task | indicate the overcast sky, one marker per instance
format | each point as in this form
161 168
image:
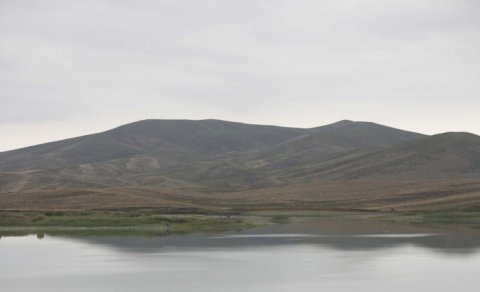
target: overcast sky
69 68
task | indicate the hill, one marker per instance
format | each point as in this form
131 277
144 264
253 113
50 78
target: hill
219 164
171 140
323 144
443 156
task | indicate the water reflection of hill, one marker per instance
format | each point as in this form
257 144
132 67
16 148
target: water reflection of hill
348 235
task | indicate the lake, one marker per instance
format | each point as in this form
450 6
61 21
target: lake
315 255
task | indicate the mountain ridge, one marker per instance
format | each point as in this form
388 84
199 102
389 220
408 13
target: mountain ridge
214 156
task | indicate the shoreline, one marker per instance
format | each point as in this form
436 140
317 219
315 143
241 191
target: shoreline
151 223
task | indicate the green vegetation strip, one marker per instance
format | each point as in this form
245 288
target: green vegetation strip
114 223
151 223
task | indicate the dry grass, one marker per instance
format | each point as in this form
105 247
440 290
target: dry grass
426 196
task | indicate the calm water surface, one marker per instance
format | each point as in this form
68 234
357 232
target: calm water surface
321 255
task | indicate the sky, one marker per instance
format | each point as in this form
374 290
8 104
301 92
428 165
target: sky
69 68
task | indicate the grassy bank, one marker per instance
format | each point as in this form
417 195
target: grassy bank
151 223
446 218
115 223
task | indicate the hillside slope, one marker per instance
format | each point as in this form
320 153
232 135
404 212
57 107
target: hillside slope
342 164
443 156
170 140
343 138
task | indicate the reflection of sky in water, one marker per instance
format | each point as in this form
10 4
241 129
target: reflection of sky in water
265 259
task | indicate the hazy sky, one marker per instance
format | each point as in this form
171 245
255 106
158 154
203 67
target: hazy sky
75 67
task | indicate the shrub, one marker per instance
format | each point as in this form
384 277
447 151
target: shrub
280 219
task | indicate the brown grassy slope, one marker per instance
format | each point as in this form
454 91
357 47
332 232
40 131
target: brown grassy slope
209 154
329 142
215 165
443 156
458 195
169 140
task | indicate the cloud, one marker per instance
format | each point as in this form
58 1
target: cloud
298 63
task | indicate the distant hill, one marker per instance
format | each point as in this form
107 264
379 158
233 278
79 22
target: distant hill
340 139
443 156
171 140
147 159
